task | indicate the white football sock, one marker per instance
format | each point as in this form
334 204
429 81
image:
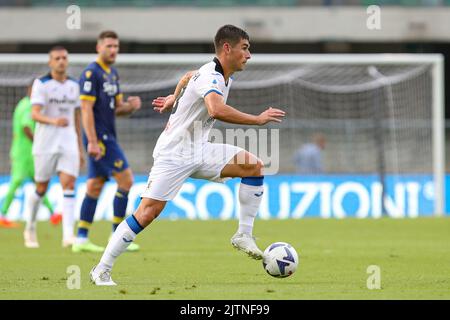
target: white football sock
249 200
33 206
117 245
68 208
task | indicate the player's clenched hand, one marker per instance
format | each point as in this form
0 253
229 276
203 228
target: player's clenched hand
94 150
163 104
61 122
271 114
135 102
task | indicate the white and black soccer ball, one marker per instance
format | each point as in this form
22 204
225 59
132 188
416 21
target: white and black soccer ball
280 260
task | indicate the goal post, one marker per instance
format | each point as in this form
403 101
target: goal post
439 134
337 93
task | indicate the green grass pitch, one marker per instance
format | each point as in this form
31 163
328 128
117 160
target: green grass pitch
194 260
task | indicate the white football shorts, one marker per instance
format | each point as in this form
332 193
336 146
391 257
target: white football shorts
46 165
169 173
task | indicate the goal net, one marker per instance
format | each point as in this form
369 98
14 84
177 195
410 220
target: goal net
380 114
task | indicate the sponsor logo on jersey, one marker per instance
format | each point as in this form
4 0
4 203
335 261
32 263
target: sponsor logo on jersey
63 110
110 88
215 85
64 100
88 74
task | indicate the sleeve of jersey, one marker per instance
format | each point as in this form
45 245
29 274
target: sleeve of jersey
37 93
78 105
207 84
88 86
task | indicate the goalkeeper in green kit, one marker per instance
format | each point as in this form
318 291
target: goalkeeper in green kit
22 163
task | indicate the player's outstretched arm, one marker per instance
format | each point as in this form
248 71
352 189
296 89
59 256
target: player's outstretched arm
221 111
37 116
165 104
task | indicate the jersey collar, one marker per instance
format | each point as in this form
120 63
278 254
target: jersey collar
219 69
103 66
50 76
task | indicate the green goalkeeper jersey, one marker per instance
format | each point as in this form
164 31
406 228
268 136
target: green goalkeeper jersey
21 144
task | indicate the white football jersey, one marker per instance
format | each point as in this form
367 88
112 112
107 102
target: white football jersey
189 124
58 100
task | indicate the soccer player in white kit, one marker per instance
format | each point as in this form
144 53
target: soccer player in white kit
183 151
57 142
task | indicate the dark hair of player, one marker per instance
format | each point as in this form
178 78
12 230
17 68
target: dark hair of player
229 33
56 48
107 34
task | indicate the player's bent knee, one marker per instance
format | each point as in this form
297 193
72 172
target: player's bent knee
94 188
69 185
259 168
41 188
253 170
126 181
126 184
93 192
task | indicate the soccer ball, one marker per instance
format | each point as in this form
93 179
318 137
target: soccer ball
280 260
